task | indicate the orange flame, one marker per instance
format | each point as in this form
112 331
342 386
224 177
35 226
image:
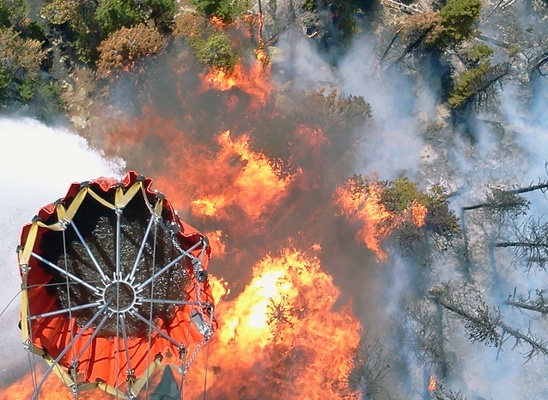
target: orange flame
216 242
217 21
53 389
432 383
253 80
254 182
365 205
286 314
227 183
262 56
219 288
418 212
220 79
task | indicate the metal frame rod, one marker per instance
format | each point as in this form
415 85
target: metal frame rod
88 250
64 310
65 273
93 335
160 272
184 253
118 234
131 276
146 321
66 349
177 302
124 335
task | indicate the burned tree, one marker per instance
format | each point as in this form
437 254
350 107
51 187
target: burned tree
425 322
530 244
502 201
538 304
369 371
483 323
479 322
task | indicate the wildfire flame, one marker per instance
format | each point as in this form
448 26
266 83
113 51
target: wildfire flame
285 316
365 205
418 213
253 181
217 22
253 80
432 383
282 336
54 389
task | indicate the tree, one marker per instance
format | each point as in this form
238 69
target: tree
128 45
448 27
530 244
189 24
538 304
226 10
20 61
484 324
330 108
478 53
115 14
504 201
76 24
369 371
439 220
476 86
466 303
457 19
13 12
215 51
427 334
162 12
86 23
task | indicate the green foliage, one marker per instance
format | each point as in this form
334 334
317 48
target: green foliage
111 15
226 10
18 53
216 51
5 79
115 14
419 28
478 53
12 12
127 45
87 23
467 85
452 25
77 20
401 194
342 13
162 12
26 90
440 219
457 18
60 12
21 81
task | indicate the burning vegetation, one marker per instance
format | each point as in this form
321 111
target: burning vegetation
282 335
397 210
333 280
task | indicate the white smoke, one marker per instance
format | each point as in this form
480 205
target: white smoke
38 164
392 140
